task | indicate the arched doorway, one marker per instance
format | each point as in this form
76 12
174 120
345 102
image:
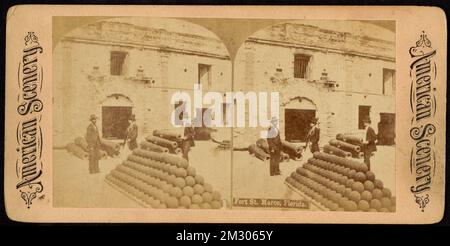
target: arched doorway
298 114
116 111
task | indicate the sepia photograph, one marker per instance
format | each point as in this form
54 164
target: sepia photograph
225 114
117 82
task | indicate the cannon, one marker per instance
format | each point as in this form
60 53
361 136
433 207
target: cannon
345 146
336 151
350 139
263 144
162 142
153 147
81 142
258 152
77 151
111 148
172 136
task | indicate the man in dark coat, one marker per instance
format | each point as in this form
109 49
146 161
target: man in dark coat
132 133
93 141
314 136
274 142
369 145
188 141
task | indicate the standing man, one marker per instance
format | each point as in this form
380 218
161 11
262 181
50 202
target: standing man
188 141
369 142
274 142
93 141
314 136
132 133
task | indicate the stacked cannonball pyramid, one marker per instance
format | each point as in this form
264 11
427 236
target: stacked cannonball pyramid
163 180
345 146
341 184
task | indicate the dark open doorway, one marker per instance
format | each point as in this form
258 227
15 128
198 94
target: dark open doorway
115 121
386 129
297 123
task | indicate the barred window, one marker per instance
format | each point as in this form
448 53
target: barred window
117 60
300 66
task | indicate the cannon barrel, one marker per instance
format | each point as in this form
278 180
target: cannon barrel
336 151
167 135
77 151
345 146
162 142
259 152
153 147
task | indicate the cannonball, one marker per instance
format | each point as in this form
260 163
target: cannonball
171 179
347 192
375 203
351 174
188 191
393 201
349 182
377 193
368 185
199 179
363 205
392 209
155 203
378 184
216 196
355 196
385 202
207 196
191 171
185 201
370 175
343 202
181 172
173 170
386 192
180 182
176 192
172 202
384 210
194 206
360 176
208 187
166 187
340 189
358 186
205 205
373 210
216 204
190 180
351 206
340 209
197 199
198 189
162 205
366 195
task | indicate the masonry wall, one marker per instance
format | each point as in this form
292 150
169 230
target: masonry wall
78 92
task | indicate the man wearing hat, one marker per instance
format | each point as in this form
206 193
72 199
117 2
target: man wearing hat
188 141
313 136
274 142
132 133
369 145
93 141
